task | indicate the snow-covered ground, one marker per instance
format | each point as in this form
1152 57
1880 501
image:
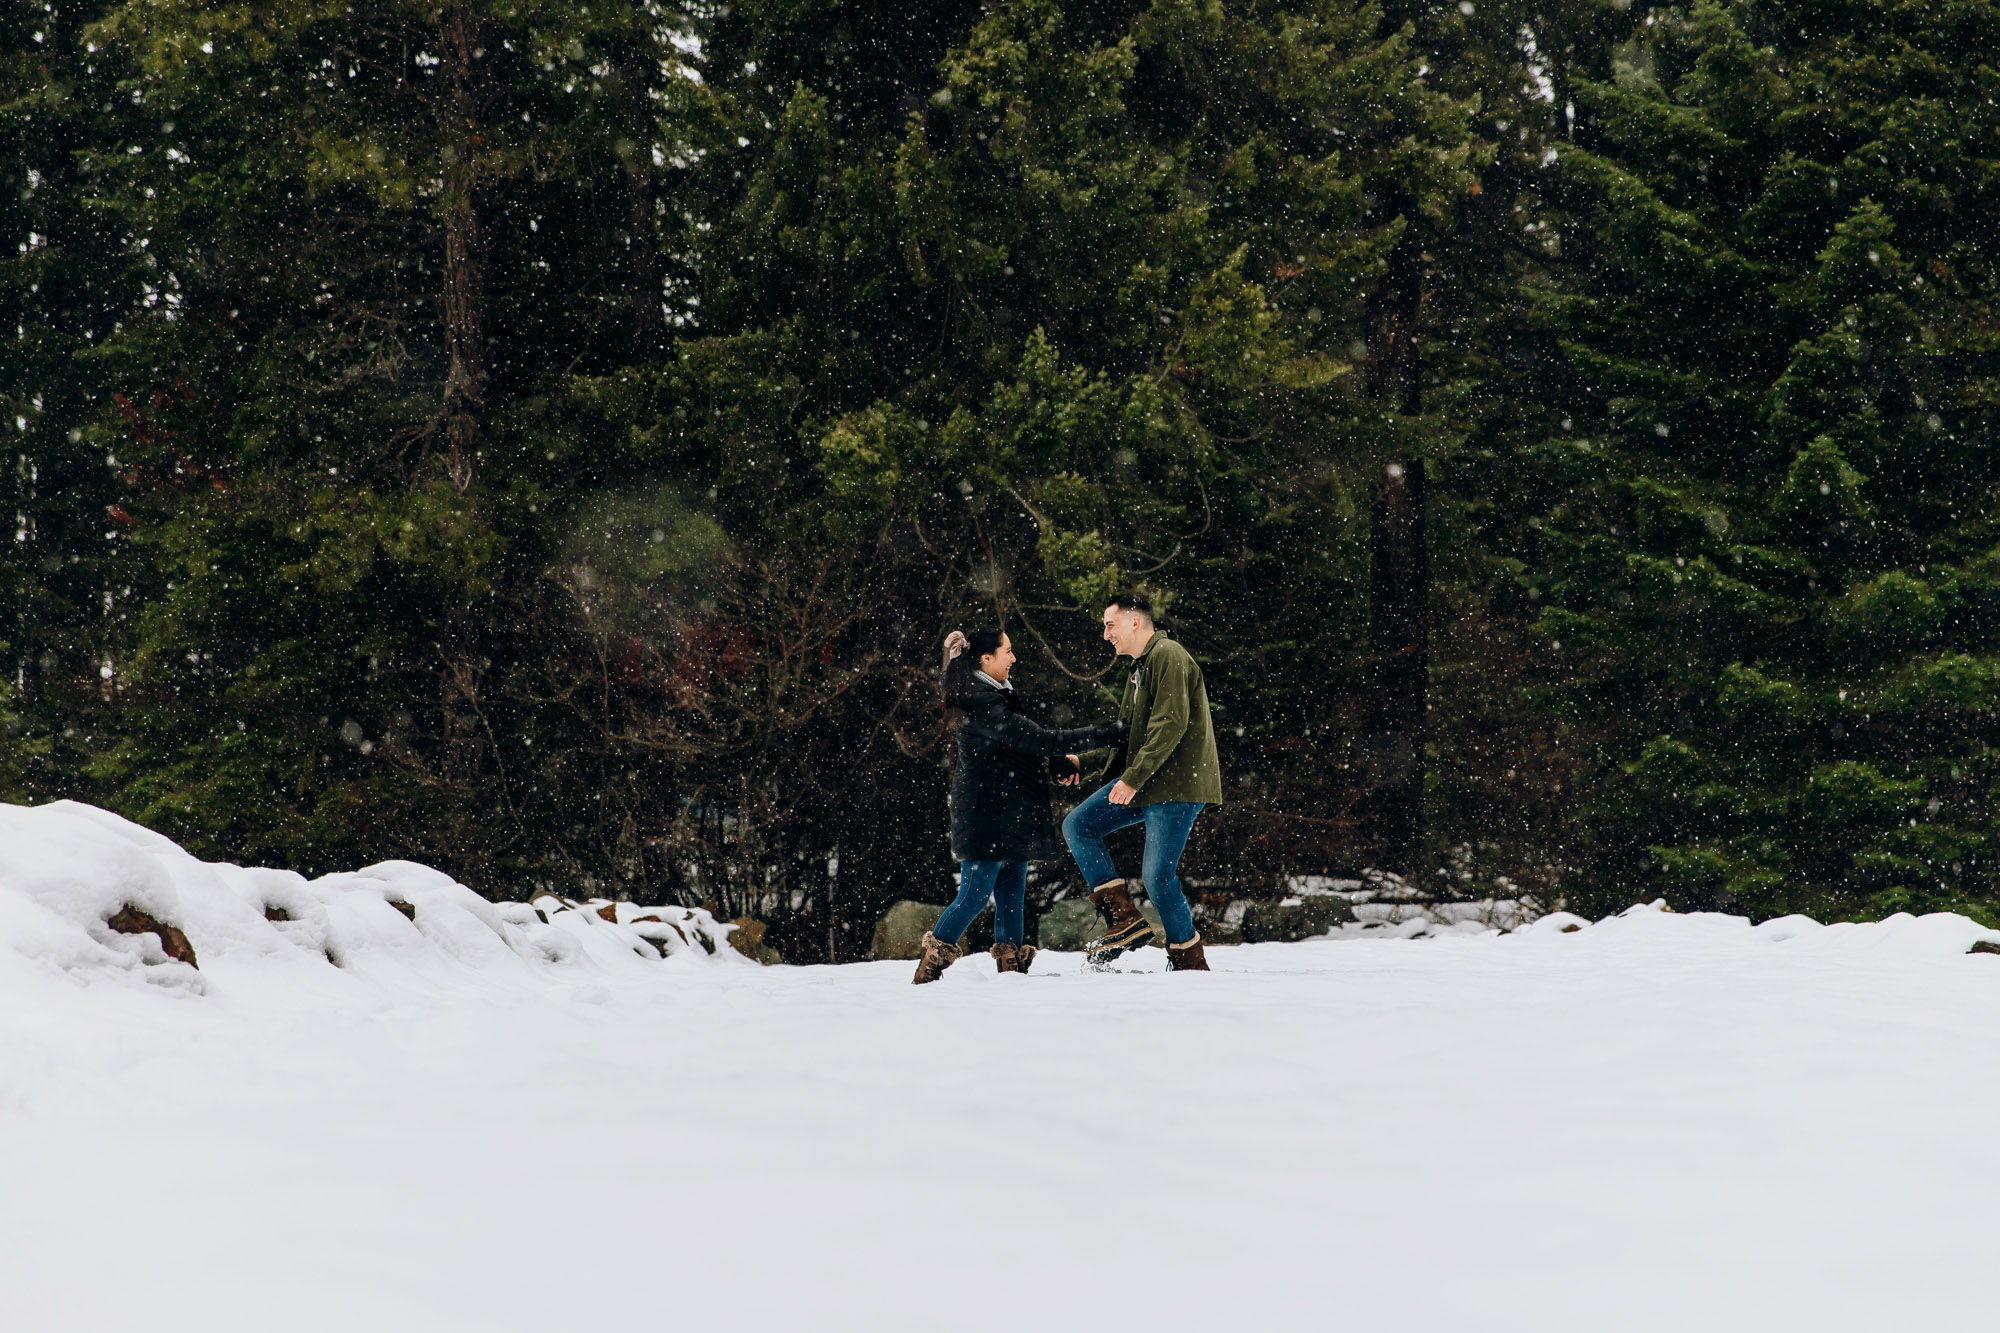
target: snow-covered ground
1655 1122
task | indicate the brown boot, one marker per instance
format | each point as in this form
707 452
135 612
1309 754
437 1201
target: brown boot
1013 957
1187 957
937 957
1124 927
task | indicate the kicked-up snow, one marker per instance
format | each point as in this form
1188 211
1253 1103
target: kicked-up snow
381 1103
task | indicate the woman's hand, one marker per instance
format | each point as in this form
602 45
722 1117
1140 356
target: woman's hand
956 642
1075 772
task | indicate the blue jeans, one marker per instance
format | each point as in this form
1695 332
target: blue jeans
1168 824
1005 882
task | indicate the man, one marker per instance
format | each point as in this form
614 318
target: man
1166 772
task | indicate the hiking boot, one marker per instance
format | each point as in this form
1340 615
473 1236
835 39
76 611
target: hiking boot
937 957
1187 957
1012 957
1124 927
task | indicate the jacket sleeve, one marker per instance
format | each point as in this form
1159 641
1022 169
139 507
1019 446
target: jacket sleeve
1166 721
1029 737
1107 743
1096 763
1003 727
1104 762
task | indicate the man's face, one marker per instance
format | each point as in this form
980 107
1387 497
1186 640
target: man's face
1125 631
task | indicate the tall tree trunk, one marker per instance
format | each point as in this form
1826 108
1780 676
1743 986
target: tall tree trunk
463 99
1399 584
648 327
465 67
638 64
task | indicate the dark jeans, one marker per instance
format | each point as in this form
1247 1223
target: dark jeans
1168 824
1005 882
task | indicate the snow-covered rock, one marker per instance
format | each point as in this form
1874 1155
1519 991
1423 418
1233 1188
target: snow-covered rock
68 871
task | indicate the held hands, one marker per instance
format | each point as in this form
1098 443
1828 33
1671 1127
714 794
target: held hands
1122 792
1075 774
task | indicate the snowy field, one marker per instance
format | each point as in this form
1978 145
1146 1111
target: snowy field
481 1121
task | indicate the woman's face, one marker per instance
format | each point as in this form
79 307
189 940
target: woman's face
1000 661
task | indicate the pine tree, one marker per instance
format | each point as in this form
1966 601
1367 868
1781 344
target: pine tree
71 275
1501 779
326 424
1773 575
1251 250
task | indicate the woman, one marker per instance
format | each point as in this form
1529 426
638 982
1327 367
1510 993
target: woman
1000 816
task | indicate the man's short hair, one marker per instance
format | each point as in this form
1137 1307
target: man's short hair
1135 602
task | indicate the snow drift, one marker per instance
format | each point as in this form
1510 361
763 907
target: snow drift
89 895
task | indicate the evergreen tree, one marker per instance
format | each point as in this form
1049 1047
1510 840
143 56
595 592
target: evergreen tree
323 409
1504 778
72 274
1770 569
1070 302
1180 224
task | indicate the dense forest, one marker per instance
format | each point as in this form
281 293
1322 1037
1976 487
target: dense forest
551 440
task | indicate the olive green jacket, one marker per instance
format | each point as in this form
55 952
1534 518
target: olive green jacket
1169 748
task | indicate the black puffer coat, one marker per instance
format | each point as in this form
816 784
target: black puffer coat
1000 784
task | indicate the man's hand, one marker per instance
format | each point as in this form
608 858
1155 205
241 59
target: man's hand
1122 792
1075 774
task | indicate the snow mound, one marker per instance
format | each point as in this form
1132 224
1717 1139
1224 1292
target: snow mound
1937 935
89 895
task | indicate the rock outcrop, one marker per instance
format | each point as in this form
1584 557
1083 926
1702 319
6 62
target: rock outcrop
129 920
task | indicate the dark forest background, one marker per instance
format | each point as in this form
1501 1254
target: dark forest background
550 441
